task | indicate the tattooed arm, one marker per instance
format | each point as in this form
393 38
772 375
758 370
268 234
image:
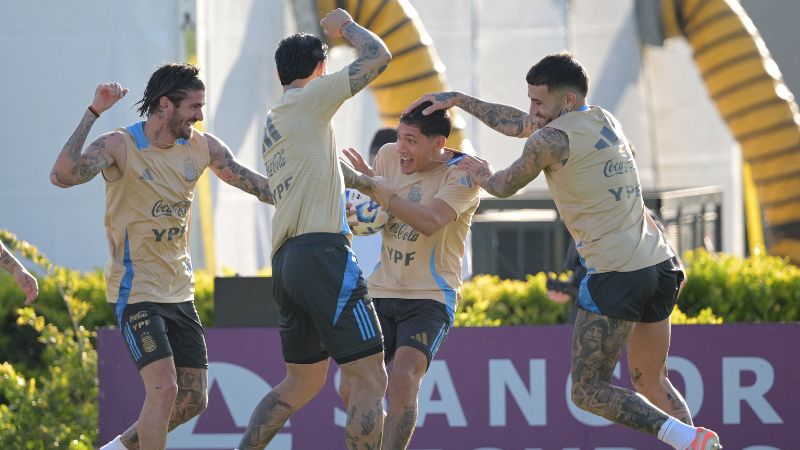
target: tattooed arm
73 166
24 279
545 148
229 170
502 118
373 55
376 187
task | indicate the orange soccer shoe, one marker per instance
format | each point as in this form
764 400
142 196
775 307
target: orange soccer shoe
705 439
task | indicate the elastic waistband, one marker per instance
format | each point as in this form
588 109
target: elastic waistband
316 239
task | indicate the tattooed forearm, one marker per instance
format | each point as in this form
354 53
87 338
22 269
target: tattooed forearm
74 167
543 148
247 180
373 56
268 418
502 118
229 170
355 180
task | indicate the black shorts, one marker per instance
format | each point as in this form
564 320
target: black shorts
644 295
323 302
419 323
157 330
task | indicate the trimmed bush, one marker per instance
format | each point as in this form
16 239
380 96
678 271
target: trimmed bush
54 405
755 289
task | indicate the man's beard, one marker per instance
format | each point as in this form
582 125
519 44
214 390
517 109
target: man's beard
176 127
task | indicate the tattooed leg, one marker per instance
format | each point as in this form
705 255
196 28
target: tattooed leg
366 380
302 383
648 345
191 400
596 345
408 369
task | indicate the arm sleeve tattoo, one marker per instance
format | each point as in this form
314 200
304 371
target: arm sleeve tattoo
355 180
545 147
502 118
229 170
373 56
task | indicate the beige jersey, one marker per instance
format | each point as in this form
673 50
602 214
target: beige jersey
415 266
301 161
147 219
599 197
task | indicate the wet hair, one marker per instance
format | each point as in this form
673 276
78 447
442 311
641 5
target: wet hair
174 81
382 137
298 55
559 71
436 124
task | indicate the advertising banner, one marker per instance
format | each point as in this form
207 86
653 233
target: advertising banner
504 388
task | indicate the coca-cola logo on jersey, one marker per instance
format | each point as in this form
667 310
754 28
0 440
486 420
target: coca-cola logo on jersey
162 208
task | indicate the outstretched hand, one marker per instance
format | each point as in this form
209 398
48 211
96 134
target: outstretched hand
440 100
357 162
106 95
478 169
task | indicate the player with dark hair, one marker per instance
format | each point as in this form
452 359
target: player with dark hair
416 286
322 298
150 170
633 275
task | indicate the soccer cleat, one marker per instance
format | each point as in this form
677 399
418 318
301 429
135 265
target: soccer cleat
705 439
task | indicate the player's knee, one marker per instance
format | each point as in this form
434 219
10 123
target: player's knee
164 392
405 381
366 377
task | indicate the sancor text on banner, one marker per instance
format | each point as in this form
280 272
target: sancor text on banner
504 388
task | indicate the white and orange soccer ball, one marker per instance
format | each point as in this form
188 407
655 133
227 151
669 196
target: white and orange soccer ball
368 215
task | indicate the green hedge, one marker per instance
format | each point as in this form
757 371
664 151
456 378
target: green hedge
755 289
718 287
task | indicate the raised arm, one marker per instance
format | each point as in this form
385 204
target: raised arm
229 170
545 148
372 54
24 279
75 165
502 118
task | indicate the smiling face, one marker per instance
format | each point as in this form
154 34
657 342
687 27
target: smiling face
181 117
547 105
418 153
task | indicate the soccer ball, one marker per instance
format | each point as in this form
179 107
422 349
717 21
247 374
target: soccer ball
369 215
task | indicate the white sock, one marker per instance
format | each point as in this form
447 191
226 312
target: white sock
116 444
676 433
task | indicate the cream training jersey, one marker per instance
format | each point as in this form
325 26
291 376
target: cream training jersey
147 218
301 161
415 266
599 196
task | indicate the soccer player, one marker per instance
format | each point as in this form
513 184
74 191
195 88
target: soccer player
633 275
150 170
321 295
416 286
